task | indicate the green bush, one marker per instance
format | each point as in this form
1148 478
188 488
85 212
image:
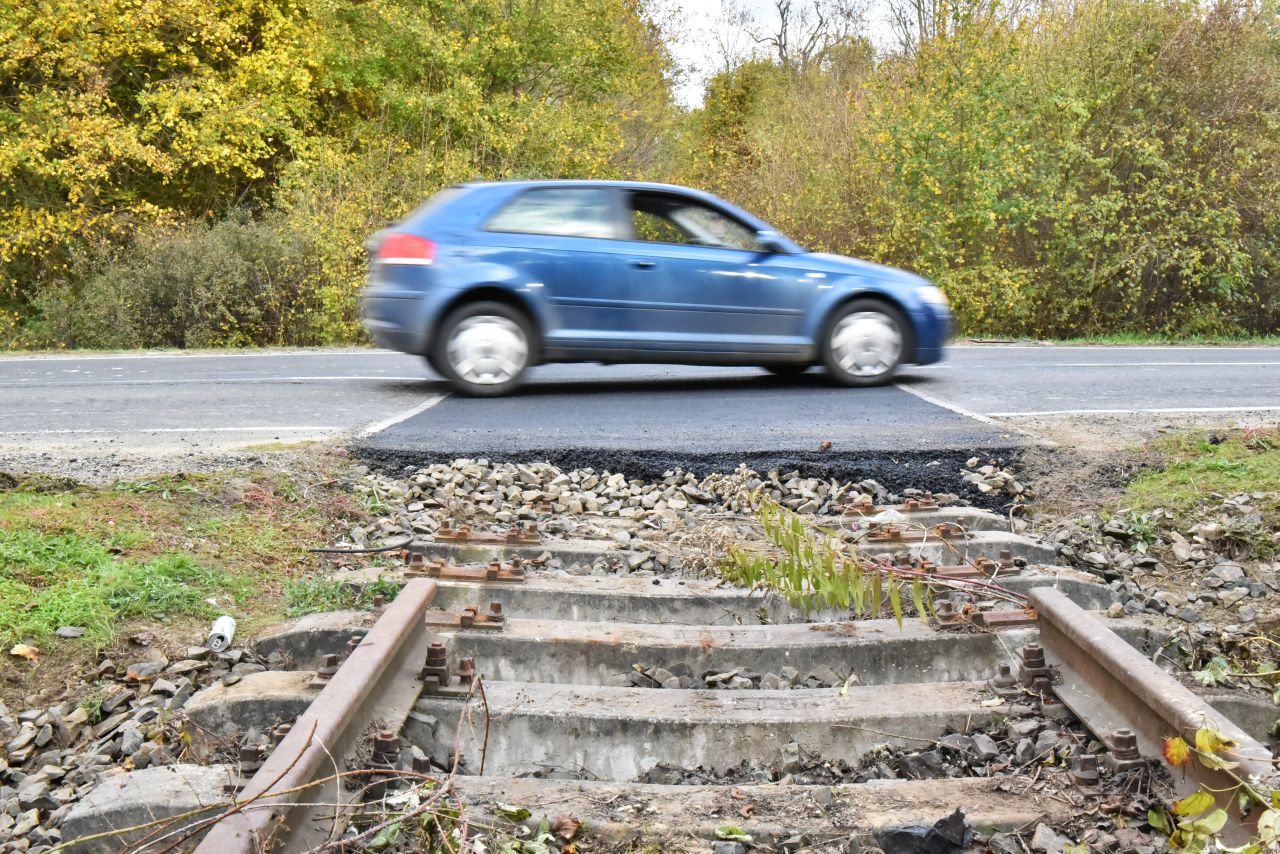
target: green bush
1083 168
233 283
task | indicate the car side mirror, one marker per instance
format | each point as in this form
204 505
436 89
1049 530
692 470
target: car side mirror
771 242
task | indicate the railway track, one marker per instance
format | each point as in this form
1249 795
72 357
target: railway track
494 696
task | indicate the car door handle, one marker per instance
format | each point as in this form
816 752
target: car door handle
644 265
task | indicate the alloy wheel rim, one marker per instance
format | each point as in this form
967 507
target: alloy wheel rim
866 344
487 350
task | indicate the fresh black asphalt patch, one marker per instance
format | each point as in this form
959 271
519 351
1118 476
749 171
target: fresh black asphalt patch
643 427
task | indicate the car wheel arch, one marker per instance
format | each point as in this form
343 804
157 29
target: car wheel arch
908 330
506 296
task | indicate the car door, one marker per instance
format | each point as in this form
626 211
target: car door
700 282
563 241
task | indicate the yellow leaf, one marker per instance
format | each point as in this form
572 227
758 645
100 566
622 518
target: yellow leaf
1193 804
22 650
1209 741
1176 751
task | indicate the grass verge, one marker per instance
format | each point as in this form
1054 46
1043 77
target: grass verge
165 555
1196 466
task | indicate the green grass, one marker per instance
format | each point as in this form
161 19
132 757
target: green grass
304 596
148 553
1194 466
53 580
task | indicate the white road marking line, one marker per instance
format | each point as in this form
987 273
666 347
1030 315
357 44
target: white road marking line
229 354
268 429
1058 348
1170 410
379 426
35 382
985 419
1004 365
958 410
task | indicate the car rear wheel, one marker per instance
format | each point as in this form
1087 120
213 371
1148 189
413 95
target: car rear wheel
484 348
864 343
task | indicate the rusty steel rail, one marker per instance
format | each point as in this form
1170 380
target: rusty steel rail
379 681
1112 688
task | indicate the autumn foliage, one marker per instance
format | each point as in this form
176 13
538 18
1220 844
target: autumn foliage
1083 167
205 172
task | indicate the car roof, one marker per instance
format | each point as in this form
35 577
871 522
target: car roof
528 183
511 187
499 191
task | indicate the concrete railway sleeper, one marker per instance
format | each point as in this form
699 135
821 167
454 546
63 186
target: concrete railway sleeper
621 702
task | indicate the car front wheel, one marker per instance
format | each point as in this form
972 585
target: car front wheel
864 343
484 348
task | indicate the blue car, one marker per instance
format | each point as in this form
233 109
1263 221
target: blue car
486 280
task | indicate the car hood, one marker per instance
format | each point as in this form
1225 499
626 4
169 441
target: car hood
846 266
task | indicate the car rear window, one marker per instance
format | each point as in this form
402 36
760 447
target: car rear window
562 211
441 198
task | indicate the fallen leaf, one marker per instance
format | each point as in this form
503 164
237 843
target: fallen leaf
1194 804
825 445
747 811
1209 741
22 650
511 812
730 833
1176 751
566 827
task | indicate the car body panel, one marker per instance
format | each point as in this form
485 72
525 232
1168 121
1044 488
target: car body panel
617 298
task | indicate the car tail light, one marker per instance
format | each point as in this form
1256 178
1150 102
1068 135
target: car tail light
400 248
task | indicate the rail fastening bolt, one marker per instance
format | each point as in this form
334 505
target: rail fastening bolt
1033 656
386 744
495 612
1124 744
1084 770
328 666
1004 678
466 670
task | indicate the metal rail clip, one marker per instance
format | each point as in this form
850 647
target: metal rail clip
513 573
468 618
518 535
895 534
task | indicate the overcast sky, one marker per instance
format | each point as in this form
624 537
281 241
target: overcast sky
695 44
696 32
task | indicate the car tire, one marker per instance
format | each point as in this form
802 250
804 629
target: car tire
484 348
430 359
864 343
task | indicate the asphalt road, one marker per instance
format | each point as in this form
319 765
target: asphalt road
393 405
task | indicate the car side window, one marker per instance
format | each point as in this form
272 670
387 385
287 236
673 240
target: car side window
657 218
561 211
